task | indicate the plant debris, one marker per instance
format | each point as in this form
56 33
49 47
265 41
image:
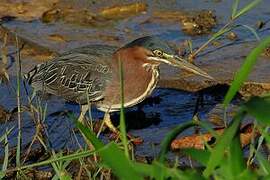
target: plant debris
123 11
199 141
25 10
199 23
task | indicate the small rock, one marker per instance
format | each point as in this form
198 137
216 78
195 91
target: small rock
200 23
232 36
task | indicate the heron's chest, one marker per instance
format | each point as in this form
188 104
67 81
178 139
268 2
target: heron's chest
137 87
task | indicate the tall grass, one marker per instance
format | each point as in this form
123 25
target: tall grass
19 72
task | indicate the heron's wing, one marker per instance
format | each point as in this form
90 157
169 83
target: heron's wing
75 76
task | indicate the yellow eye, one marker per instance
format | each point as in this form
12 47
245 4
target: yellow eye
158 53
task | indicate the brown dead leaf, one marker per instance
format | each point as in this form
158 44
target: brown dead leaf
25 10
198 141
123 11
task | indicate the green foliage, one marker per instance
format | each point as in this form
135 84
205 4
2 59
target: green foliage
244 10
60 168
122 115
217 153
259 107
202 156
165 145
245 69
264 164
112 156
235 157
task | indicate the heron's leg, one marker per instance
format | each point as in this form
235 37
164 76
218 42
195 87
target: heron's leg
81 119
84 109
108 123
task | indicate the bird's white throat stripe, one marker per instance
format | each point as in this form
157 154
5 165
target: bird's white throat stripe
160 60
151 86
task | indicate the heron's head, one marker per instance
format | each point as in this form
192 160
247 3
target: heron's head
157 51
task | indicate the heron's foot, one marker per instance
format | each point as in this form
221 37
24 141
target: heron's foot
136 140
98 126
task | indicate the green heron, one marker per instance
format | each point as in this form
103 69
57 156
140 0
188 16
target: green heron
90 74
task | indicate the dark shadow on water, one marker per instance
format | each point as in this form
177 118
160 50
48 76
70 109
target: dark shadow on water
137 119
151 120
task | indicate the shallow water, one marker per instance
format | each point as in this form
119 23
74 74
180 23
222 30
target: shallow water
150 120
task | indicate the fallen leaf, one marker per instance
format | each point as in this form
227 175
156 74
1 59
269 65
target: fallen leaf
25 10
122 11
198 141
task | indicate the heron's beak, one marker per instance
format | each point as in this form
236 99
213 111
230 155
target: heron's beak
183 64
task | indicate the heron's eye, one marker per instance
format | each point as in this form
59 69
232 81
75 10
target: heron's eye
158 53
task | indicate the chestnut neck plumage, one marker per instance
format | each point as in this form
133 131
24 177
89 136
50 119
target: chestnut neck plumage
139 79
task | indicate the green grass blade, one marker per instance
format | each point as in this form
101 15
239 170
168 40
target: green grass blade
234 8
202 156
247 8
236 160
247 174
115 158
252 30
244 71
144 169
207 126
165 145
122 114
2 138
217 152
5 163
259 107
264 164
18 92
265 134
112 156
69 157
174 173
